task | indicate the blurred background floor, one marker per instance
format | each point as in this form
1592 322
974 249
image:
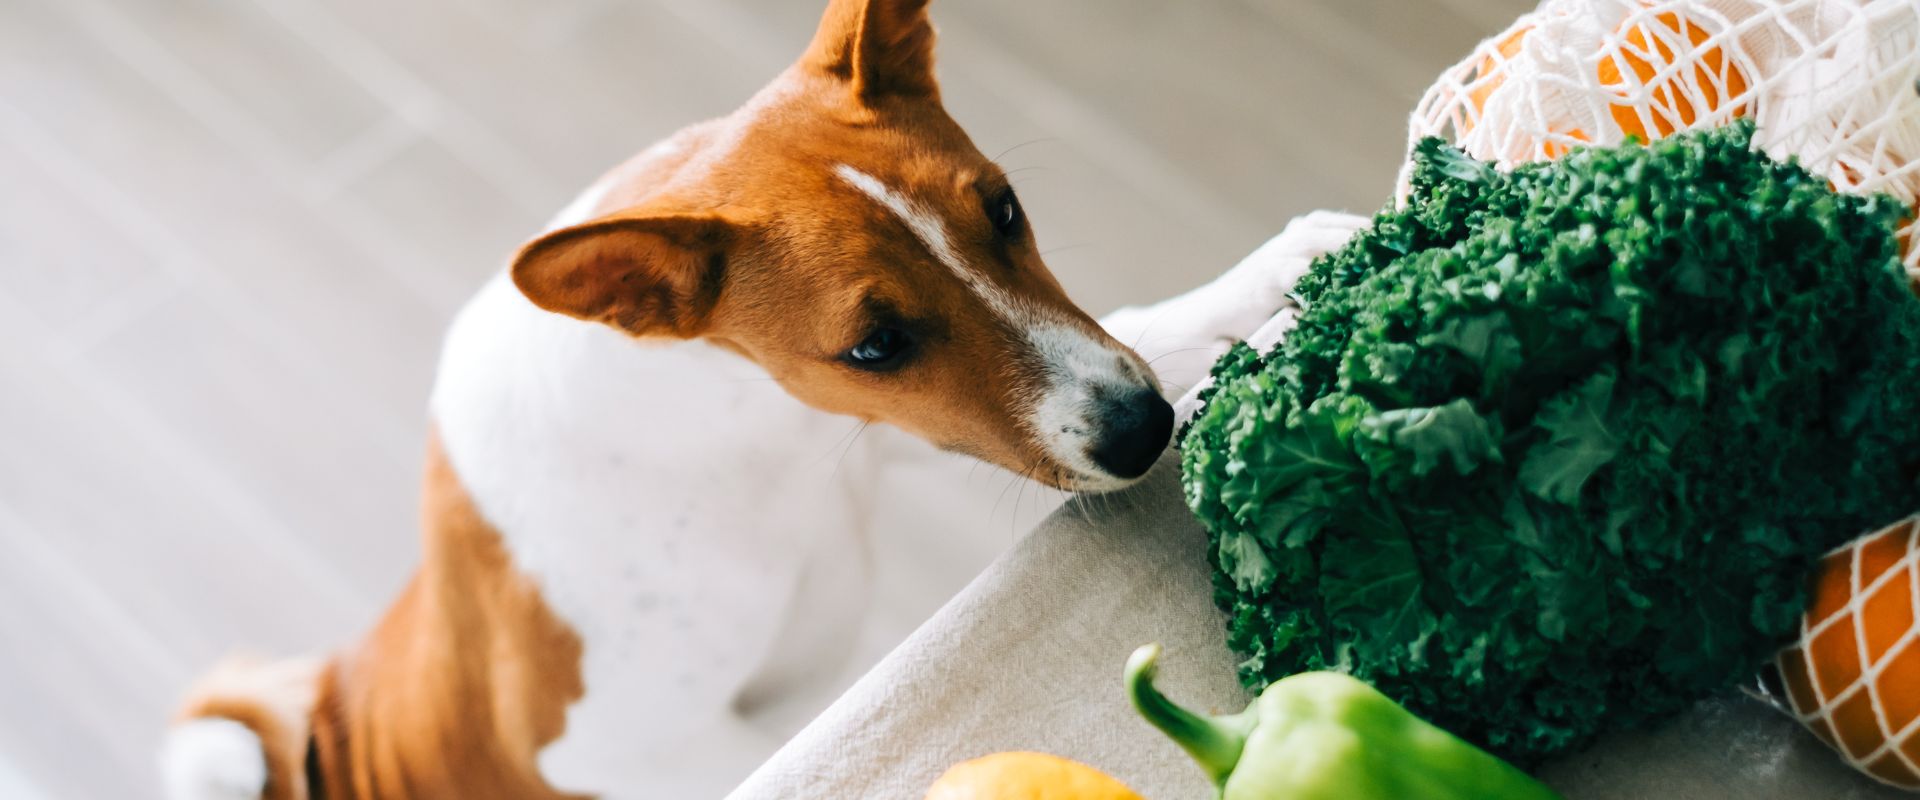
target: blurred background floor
231 233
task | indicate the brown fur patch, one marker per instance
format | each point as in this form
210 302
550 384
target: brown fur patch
461 685
880 48
272 699
650 275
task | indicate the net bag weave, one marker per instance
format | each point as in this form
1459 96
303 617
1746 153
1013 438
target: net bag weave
1835 83
1853 678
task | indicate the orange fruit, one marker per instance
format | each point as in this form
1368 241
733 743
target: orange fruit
1854 676
1646 54
1551 149
1908 242
1488 76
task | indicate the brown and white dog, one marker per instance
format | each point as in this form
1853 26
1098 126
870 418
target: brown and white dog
630 543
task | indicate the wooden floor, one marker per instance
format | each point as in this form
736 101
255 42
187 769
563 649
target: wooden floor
231 233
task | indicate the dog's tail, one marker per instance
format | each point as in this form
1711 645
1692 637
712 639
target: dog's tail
244 733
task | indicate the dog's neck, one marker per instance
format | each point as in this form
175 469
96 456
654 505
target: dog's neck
604 460
517 383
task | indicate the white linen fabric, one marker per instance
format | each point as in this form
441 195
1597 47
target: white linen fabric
1029 657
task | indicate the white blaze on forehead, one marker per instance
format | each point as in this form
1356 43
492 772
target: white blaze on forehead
932 233
1065 416
925 226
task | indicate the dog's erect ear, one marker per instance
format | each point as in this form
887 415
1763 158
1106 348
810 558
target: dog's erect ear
647 275
881 47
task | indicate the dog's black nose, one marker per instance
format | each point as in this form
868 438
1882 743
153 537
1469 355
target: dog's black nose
1134 429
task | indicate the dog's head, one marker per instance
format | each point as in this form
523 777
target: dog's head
842 232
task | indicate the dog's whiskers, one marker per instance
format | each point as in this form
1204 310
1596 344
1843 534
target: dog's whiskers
845 446
1027 143
1012 478
1157 358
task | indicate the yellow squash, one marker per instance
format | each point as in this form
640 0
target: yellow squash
1027 776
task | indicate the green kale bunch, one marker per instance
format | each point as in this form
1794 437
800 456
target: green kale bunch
1550 452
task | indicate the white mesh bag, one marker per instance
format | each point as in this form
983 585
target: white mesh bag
1834 82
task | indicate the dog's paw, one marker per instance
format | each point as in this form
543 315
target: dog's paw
1256 289
1262 339
1249 303
1182 337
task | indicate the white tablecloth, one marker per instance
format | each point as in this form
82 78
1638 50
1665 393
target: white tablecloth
1029 657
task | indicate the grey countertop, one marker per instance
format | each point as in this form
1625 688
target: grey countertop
1029 657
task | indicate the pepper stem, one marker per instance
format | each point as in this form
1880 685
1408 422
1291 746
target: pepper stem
1214 742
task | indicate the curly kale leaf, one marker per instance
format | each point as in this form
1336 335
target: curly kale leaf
1550 450
1579 441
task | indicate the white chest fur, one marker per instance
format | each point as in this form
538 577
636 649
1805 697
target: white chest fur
680 511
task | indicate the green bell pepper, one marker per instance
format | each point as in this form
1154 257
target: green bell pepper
1327 736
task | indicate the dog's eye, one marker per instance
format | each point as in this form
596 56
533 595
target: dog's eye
1005 213
883 350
